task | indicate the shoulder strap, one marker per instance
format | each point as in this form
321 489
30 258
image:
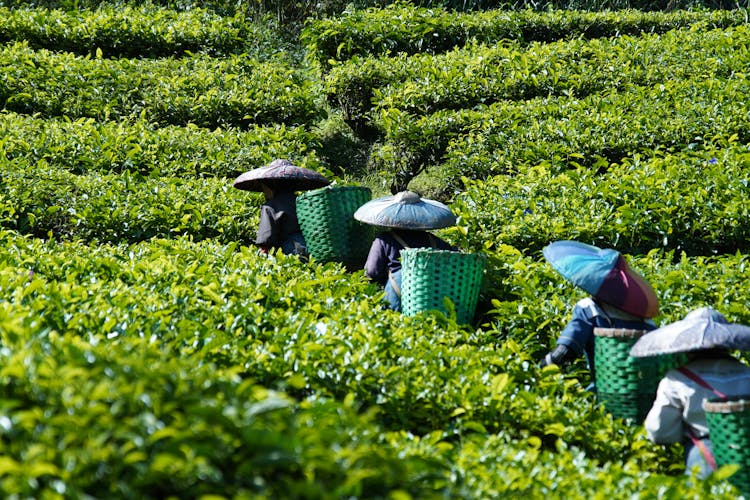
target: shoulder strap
707 455
395 286
433 243
699 380
589 305
399 239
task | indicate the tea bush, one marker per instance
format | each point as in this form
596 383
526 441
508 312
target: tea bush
46 202
563 133
574 68
237 310
691 202
478 75
137 31
158 425
205 91
408 29
86 146
312 330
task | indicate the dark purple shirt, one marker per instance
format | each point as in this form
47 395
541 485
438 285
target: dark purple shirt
278 220
385 252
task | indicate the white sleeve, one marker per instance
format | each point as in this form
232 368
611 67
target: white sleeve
664 421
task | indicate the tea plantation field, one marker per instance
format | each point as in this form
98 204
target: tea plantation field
147 350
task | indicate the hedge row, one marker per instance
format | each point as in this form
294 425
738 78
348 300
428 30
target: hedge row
316 331
692 202
98 418
83 146
221 7
311 331
159 425
47 202
142 31
408 29
562 132
231 91
479 75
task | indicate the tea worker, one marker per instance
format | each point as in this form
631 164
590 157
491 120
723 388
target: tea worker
704 338
278 181
619 298
405 220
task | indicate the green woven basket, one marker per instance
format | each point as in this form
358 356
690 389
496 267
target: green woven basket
326 217
729 429
624 384
429 276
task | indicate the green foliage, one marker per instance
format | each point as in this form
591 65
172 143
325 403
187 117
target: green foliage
222 7
237 309
691 202
145 352
291 14
158 425
205 91
479 75
408 29
47 202
563 133
84 146
139 31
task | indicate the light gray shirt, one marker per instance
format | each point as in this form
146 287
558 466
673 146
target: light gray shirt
679 400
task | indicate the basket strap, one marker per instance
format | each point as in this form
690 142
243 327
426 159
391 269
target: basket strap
697 441
707 455
395 286
399 239
699 380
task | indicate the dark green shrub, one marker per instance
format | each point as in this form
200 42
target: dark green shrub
138 31
200 90
400 28
86 146
689 202
47 202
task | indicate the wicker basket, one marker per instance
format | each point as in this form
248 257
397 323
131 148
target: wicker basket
729 429
429 276
624 384
328 225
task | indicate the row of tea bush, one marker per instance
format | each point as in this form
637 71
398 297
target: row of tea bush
479 75
206 91
172 347
402 28
137 31
594 132
692 202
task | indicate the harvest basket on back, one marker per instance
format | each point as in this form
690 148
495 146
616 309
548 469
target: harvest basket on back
729 429
331 233
624 384
429 276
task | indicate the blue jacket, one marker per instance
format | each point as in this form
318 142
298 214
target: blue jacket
588 314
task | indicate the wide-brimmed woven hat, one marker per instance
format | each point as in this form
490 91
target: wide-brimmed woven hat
703 328
405 210
605 274
284 174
